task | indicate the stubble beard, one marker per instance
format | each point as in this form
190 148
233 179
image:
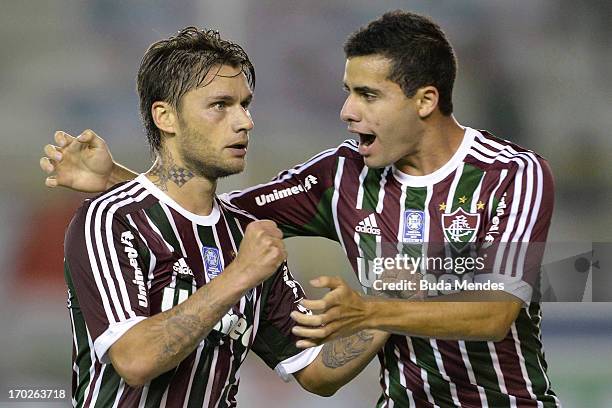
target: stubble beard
203 162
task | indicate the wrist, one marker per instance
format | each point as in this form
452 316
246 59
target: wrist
113 177
371 321
237 277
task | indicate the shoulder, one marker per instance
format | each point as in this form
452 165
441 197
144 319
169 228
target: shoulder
232 211
491 153
327 160
112 205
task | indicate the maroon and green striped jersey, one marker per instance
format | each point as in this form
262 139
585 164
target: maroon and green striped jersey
491 192
133 252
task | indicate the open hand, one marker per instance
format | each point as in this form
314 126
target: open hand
340 313
82 163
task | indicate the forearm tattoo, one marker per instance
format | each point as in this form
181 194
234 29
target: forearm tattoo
165 170
183 328
340 352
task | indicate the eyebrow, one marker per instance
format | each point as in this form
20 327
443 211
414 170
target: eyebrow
363 89
231 99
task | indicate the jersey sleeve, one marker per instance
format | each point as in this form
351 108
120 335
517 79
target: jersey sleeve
516 231
299 200
106 268
274 343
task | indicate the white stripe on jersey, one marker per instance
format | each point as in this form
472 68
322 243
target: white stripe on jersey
519 353
442 370
119 393
362 176
194 368
498 372
92 367
211 378
381 190
93 260
471 376
402 378
424 376
335 197
110 243
96 390
119 309
75 367
400 227
143 395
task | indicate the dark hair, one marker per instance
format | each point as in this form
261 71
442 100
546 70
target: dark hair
172 67
419 52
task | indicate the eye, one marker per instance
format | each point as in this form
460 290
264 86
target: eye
219 105
368 97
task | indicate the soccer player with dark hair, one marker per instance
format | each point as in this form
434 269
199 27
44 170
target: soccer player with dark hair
416 178
169 287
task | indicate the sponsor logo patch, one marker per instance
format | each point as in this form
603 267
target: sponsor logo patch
212 261
276 195
414 223
494 228
132 254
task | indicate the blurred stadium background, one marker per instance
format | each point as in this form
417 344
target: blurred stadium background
537 72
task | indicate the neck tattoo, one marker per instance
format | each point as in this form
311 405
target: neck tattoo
165 171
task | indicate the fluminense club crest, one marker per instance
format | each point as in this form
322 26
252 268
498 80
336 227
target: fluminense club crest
460 227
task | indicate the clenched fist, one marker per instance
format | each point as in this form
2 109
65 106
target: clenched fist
261 253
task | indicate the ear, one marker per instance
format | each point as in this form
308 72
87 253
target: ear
164 117
427 100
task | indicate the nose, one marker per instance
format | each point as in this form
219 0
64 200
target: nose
349 112
244 121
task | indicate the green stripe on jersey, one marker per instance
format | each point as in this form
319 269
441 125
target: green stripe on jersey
439 387
371 189
159 218
109 387
200 379
468 182
321 224
397 392
484 373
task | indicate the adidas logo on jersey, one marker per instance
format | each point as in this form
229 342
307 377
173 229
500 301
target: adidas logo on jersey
182 268
368 225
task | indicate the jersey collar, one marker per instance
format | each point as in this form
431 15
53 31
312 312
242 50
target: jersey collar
442 172
210 219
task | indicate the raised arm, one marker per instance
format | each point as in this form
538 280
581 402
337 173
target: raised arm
144 346
82 163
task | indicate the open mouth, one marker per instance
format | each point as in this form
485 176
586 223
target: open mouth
366 139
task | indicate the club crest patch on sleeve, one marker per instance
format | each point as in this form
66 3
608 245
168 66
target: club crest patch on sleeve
414 224
212 261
